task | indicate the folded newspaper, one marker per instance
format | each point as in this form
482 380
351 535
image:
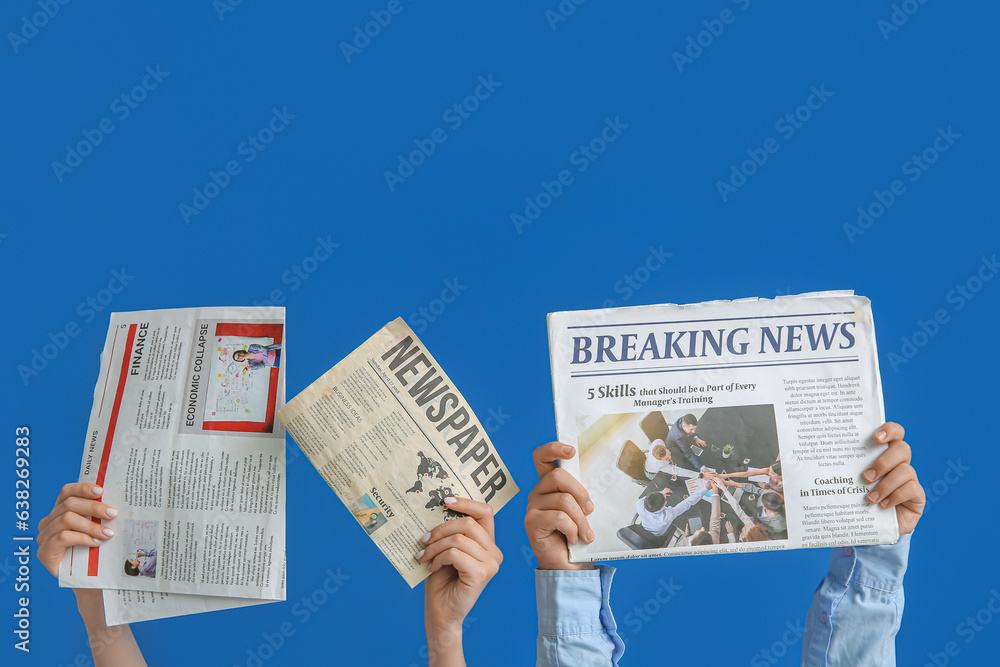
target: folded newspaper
393 437
725 426
184 442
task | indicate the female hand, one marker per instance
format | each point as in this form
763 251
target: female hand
69 524
462 556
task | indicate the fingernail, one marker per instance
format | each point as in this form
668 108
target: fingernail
567 450
111 512
873 496
109 532
590 506
590 535
450 500
880 435
97 542
426 537
870 475
885 503
97 490
419 554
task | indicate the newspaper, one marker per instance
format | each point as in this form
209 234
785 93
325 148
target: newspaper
392 436
779 397
183 439
127 606
124 606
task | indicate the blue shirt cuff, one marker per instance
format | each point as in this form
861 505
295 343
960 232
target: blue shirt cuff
583 587
877 566
577 602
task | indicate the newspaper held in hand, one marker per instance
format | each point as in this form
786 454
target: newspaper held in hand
392 436
183 439
775 400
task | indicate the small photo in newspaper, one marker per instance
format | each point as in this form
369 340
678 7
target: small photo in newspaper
369 515
139 541
243 362
678 478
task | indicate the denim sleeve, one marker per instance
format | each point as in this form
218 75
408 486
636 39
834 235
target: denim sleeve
575 625
857 608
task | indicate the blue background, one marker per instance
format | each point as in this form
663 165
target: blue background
655 186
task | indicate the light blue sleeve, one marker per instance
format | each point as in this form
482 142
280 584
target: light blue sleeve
858 607
575 625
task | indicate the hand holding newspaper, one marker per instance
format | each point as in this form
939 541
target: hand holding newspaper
184 442
774 400
393 437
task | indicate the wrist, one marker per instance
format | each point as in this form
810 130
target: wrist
90 605
444 642
547 564
442 631
442 621
558 559
554 555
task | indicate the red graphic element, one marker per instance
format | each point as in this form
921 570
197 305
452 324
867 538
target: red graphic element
113 421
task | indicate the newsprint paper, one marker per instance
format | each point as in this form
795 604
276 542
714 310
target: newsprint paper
393 437
779 397
184 441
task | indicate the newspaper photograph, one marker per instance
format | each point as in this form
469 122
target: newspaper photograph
183 440
725 426
392 436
